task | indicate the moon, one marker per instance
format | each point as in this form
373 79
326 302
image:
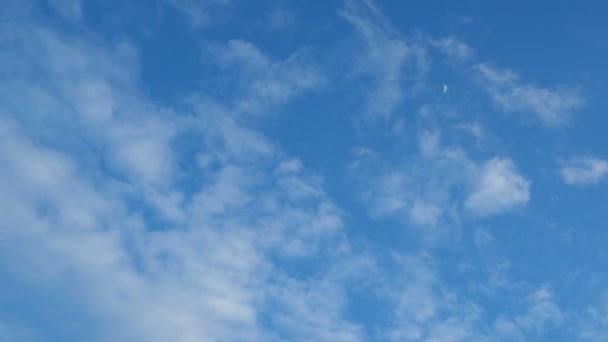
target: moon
445 87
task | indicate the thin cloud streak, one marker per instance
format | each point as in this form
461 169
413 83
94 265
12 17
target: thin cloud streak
553 107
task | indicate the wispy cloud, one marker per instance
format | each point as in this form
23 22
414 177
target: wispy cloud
552 106
199 13
127 219
594 321
427 311
541 313
386 57
417 188
583 171
262 82
456 51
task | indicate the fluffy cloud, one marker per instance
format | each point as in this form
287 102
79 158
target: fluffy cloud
583 171
499 187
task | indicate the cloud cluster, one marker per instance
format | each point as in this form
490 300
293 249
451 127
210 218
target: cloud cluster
152 237
439 184
125 219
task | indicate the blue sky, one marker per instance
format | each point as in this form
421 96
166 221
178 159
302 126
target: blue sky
230 170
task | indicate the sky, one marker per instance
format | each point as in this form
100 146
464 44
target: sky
281 170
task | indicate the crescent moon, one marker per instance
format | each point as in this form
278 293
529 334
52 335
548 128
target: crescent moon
445 88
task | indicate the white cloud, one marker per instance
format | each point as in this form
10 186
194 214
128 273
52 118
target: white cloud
456 52
419 188
135 238
424 310
263 82
474 128
541 313
499 188
133 221
312 311
385 58
583 171
428 188
593 323
425 214
553 107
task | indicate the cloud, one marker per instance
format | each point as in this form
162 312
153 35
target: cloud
385 57
312 311
419 188
541 313
126 231
499 188
125 219
424 214
432 187
552 107
262 82
584 171
456 52
593 322
424 310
